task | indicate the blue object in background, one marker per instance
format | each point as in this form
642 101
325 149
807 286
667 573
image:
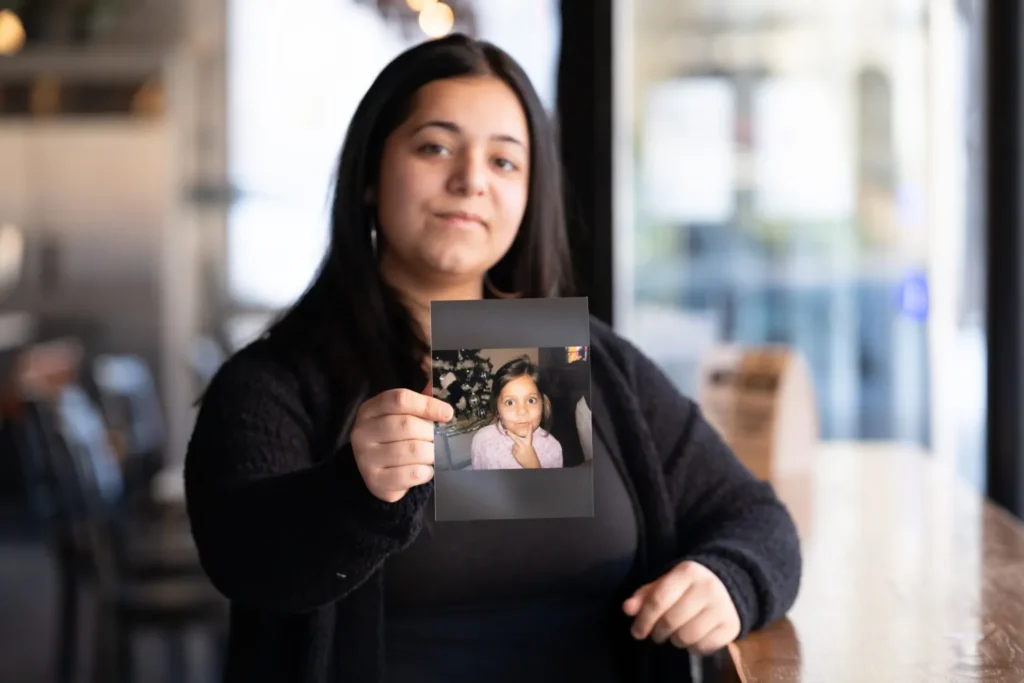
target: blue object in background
912 296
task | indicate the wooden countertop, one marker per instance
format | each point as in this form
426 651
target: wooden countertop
910 576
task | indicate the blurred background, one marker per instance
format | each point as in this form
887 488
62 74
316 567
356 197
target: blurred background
838 177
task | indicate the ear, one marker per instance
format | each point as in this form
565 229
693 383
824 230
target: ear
546 413
370 196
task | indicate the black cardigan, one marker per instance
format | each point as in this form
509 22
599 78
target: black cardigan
288 532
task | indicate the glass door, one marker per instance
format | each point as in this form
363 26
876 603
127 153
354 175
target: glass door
797 173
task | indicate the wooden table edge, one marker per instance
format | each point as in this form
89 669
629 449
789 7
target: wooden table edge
734 666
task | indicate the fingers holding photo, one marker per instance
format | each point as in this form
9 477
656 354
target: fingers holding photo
407 402
393 441
390 484
391 428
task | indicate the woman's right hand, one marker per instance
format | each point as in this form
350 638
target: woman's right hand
393 441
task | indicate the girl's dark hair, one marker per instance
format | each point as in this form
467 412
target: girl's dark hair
513 370
348 316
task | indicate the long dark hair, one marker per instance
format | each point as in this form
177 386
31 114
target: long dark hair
348 315
513 370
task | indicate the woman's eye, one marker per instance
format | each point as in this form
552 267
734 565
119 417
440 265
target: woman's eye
533 400
433 148
505 164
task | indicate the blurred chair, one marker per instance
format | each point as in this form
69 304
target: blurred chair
457 450
132 411
146 571
41 370
140 586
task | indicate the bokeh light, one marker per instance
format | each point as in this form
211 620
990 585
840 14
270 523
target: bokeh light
437 19
12 33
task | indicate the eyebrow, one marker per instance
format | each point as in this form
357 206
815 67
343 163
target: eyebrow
454 128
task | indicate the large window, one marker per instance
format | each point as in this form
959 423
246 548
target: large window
297 71
797 173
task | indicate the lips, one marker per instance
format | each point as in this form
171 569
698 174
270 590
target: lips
461 217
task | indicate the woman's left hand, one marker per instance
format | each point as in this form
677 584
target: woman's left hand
688 606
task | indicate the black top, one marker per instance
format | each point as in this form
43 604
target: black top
515 600
286 528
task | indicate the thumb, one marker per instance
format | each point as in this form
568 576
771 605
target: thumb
633 604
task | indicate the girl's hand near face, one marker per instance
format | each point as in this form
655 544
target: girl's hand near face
523 451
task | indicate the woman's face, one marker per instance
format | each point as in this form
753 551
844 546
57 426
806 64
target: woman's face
520 406
454 180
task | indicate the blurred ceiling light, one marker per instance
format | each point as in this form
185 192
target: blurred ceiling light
12 33
437 19
419 5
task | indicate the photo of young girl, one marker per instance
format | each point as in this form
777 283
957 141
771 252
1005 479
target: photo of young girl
515 408
518 436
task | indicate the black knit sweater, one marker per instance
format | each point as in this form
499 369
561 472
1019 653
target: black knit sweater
288 532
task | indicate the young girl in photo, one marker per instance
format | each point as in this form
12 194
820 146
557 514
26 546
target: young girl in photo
518 438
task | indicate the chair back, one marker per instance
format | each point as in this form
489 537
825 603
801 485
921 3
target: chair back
88 478
84 433
38 373
130 401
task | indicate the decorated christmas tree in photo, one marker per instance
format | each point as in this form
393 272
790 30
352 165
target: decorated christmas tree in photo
463 379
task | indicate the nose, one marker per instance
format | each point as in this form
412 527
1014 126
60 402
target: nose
469 176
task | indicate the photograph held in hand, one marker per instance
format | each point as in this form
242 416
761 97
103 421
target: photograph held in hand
520 443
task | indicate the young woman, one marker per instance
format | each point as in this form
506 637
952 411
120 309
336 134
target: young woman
518 437
309 472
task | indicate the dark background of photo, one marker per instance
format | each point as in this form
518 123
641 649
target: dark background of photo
564 383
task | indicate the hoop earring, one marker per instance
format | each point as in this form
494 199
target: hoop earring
497 292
